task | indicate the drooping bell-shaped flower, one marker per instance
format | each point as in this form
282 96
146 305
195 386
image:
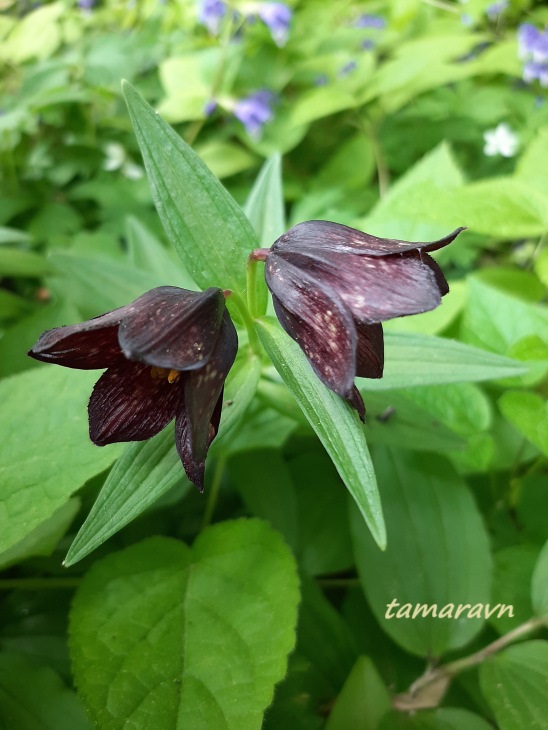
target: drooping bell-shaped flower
166 355
332 286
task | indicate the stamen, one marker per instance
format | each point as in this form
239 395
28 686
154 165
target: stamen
173 376
165 374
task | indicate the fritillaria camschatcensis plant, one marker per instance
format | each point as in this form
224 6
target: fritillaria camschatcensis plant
168 353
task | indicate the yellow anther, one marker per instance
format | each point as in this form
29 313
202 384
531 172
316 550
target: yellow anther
173 375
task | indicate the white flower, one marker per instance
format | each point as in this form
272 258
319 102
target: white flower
500 141
116 159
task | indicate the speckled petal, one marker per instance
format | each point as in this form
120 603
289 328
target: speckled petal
128 404
172 328
373 288
89 345
314 236
317 319
197 424
370 351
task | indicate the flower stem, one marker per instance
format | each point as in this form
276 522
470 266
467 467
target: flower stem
214 491
247 320
443 674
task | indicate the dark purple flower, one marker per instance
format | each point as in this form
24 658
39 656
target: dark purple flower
371 21
332 286
167 355
211 14
277 17
254 111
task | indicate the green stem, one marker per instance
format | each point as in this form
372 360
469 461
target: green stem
252 287
214 491
247 320
442 675
37 584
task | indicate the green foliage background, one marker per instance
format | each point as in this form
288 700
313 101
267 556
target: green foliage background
263 602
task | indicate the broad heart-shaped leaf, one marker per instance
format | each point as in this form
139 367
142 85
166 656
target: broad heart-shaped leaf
32 696
145 471
424 360
539 585
45 451
438 554
205 225
171 637
514 684
335 422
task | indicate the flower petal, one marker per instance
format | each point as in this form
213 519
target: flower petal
356 401
89 345
128 404
198 421
316 318
373 288
370 351
312 237
172 328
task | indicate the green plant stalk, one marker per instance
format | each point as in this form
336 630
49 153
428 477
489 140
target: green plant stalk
446 672
247 320
213 495
37 584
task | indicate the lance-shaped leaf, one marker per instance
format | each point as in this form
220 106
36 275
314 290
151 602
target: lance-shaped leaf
205 225
336 424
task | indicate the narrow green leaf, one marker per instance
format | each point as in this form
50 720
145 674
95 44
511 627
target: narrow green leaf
539 585
172 637
412 359
145 471
99 284
39 472
33 696
265 204
240 388
437 556
205 225
335 422
515 686
362 701
148 254
15 262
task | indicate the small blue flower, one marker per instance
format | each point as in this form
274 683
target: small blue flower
210 107
254 111
348 68
321 80
367 45
532 43
211 14
371 21
533 71
86 4
496 9
277 17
